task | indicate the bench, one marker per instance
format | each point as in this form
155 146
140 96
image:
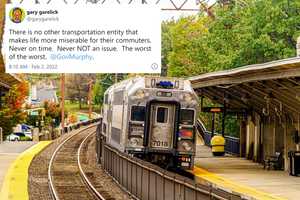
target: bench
274 161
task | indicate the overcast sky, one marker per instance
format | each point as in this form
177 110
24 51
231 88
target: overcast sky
175 14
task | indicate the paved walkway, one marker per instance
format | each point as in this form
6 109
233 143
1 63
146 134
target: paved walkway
248 173
9 151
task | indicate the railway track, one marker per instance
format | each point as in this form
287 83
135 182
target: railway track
67 179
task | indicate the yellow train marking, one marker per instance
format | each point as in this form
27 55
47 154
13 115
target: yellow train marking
15 185
232 186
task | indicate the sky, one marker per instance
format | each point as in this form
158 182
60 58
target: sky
176 14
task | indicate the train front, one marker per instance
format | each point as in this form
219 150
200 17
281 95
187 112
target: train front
162 122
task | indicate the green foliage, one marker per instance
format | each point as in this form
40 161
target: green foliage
53 113
232 127
25 138
257 31
77 87
103 82
11 112
32 119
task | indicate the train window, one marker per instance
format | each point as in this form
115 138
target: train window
187 116
162 115
118 97
138 113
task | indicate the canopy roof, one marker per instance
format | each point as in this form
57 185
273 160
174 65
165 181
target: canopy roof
268 88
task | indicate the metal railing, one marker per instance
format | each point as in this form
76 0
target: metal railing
232 144
145 181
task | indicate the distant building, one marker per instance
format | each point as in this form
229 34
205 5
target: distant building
39 93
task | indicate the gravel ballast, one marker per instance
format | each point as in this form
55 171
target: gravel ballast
38 171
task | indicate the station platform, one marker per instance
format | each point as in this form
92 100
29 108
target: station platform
244 176
15 158
9 151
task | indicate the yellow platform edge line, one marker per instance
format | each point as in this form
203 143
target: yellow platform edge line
233 186
15 184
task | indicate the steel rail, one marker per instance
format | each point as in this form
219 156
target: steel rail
52 189
84 177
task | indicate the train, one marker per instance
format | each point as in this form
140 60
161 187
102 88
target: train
152 118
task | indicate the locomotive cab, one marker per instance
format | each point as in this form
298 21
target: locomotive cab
153 118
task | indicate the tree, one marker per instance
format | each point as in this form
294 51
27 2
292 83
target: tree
238 35
77 87
251 32
12 114
103 82
180 48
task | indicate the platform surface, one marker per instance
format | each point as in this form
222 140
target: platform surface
249 174
9 151
15 184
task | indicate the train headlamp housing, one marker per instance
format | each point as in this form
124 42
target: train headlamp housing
140 94
134 142
185 145
187 97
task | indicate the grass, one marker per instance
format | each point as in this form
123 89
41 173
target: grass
73 107
25 138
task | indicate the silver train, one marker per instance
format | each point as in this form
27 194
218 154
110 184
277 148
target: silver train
152 118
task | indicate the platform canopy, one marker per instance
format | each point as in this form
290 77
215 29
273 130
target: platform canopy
7 80
270 89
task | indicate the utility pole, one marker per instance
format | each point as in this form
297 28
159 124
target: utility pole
90 98
62 103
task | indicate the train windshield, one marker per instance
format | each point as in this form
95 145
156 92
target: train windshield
138 113
187 116
162 115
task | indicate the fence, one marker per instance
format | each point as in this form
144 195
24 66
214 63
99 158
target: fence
146 181
232 144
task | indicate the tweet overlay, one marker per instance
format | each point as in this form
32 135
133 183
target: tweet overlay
88 39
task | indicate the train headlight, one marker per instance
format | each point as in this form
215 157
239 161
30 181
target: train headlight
134 141
187 146
139 94
188 97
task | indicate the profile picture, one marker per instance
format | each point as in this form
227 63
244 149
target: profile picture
17 15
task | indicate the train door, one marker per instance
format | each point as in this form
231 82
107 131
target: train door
162 125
